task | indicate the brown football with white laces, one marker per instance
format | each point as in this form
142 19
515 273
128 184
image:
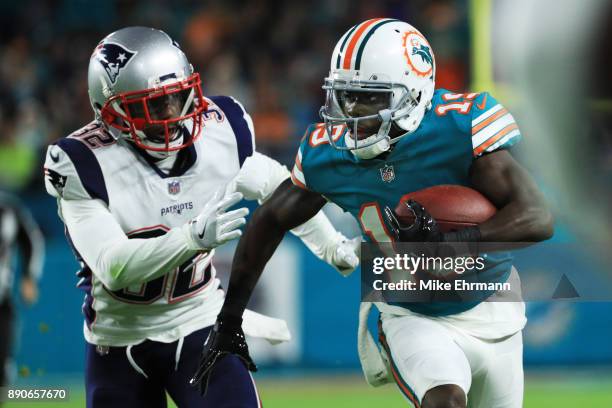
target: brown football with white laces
453 207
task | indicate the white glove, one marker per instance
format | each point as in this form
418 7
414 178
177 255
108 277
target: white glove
345 258
214 226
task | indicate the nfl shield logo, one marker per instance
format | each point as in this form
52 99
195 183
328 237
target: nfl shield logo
174 187
387 174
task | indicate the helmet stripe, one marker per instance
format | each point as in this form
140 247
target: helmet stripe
365 40
355 38
346 37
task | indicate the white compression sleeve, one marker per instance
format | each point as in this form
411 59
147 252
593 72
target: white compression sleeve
259 177
116 260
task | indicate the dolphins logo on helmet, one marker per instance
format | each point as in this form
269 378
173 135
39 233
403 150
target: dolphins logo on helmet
415 45
423 52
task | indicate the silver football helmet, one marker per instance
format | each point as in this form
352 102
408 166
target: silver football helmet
142 87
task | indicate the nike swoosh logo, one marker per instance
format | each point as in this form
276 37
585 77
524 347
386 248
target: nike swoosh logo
201 235
482 104
54 158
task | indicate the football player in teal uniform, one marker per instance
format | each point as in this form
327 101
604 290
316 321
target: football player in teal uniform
387 131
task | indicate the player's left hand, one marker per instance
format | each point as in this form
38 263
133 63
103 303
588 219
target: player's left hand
225 338
215 225
423 229
345 258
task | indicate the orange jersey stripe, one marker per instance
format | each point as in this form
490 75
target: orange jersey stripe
489 120
298 163
351 47
495 138
298 182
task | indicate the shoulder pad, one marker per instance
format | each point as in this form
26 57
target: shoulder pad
479 115
314 137
240 122
72 171
492 126
61 178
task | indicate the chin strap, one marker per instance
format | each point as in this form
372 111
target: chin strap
383 145
374 150
385 118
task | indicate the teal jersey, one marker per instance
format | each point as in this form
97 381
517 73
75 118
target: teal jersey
455 131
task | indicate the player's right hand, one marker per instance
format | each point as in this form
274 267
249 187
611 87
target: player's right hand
423 229
215 225
224 339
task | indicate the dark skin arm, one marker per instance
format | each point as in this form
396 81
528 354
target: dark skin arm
523 214
288 207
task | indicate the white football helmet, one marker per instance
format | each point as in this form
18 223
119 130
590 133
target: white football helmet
142 87
380 55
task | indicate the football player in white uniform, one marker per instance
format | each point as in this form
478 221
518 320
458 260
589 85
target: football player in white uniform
145 192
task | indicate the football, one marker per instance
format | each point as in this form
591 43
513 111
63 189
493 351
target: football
453 207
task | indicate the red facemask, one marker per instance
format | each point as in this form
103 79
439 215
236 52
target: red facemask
158 114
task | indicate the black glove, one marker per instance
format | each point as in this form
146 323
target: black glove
225 338
423 229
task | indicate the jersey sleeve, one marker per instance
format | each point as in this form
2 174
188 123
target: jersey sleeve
259 177
493 127
61 177
297 173
241 124
114 258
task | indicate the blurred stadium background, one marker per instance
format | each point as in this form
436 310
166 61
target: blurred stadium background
549 61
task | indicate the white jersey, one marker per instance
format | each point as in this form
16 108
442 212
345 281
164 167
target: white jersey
124 217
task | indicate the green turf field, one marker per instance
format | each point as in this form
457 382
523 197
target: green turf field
351 392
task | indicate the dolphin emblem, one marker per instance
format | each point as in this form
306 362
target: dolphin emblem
423 52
